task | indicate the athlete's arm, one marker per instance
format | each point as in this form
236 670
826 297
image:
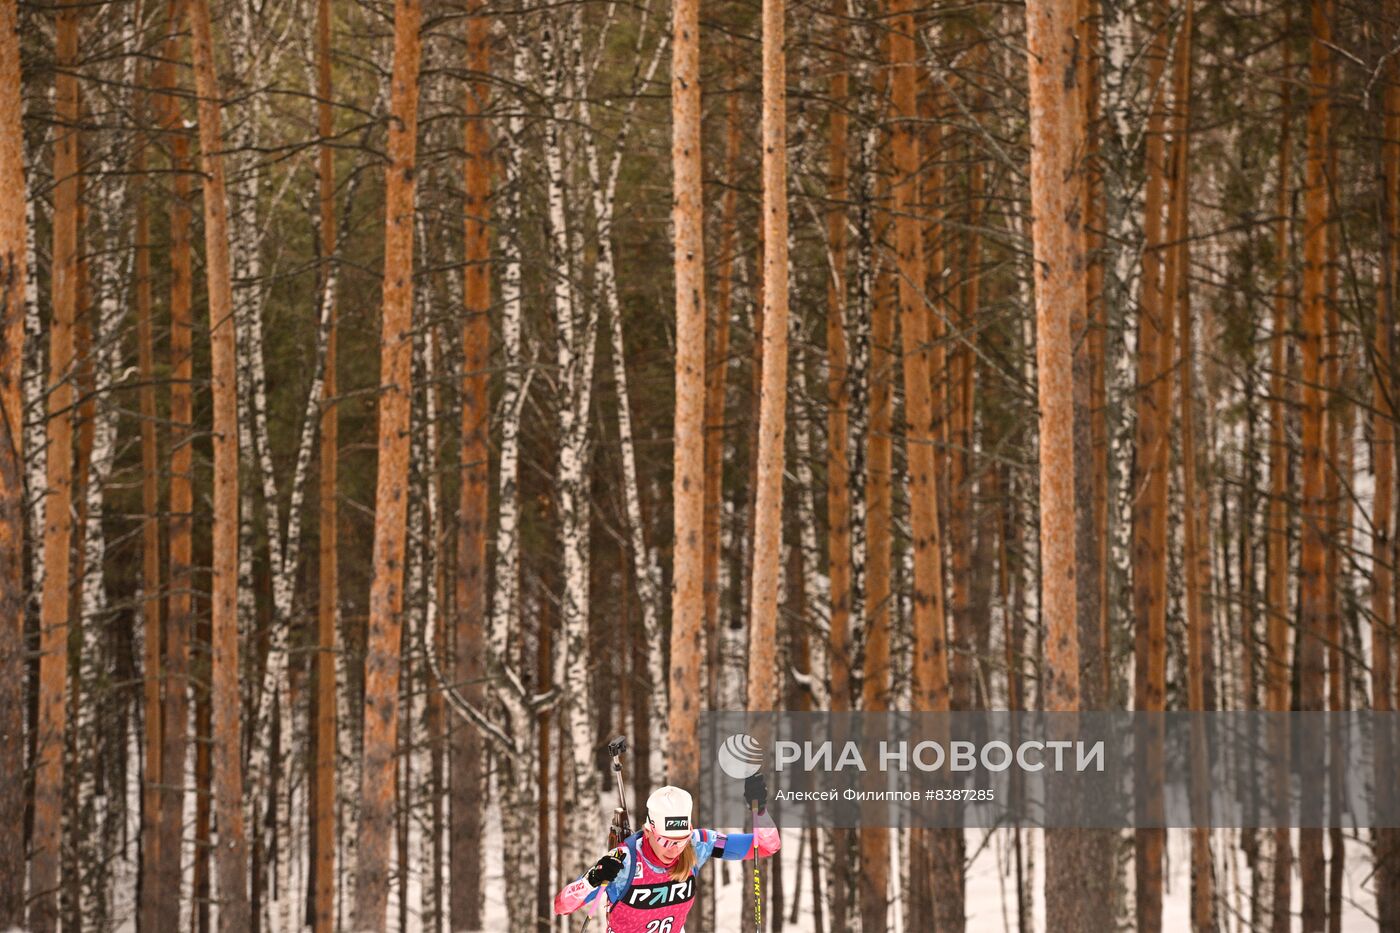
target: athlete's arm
738 846
602 875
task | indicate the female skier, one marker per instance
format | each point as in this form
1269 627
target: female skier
650 880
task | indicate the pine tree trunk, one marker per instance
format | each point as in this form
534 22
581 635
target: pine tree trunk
328 569
716 376
1057 207
930 666
930 662
230 856
377 791
179 615
14 273
468 748
1094 225
1278 677
1102 888
58 526
1383 455
877 686
1313 611
1178 301
838 462
1153 458
1335 411
688 569
763 682
764 686
150 563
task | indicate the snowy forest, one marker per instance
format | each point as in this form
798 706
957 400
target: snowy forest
403 398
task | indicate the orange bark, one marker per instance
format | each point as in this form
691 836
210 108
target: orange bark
13 273
1153 458
838 470
58 519
1057 134
1057 129
1277 669
1178 300
378 795
180 610
876 686
687 218
468 746
772 413
717 369
930 667
1383 447
1313 611
230 856
1094 222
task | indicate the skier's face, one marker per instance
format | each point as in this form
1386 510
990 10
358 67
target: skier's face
668 850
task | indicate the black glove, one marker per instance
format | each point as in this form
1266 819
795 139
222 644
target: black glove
607 868
756 791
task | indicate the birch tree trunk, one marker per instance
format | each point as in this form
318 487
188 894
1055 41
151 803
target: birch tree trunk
58 524
645 562
230 856
14 273
515 786
327 747
35 402
575 350
111 270
688 491
505 607
377 791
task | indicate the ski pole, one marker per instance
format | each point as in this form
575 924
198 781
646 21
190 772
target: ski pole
757 876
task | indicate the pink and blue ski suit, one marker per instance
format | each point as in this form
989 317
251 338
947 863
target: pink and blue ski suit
644 899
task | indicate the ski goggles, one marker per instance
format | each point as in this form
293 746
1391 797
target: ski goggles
667 846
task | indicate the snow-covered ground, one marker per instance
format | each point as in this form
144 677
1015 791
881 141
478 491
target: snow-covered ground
991 884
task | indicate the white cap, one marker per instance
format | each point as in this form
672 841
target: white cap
668 812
